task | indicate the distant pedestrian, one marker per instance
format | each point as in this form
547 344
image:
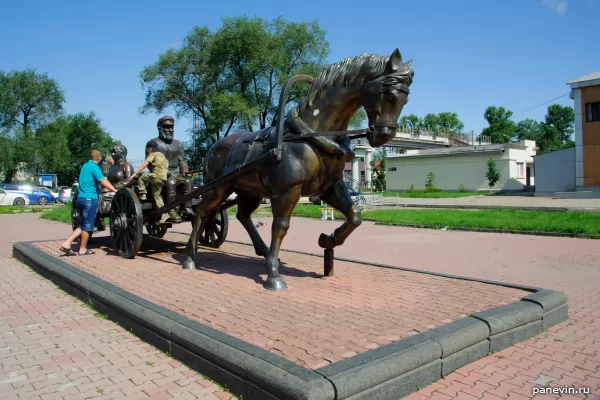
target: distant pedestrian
88 192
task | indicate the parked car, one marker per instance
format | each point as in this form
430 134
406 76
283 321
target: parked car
12 199
34 195
354 194
48 191
64 194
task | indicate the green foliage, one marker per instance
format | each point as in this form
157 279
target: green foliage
461 188
379 171
501 129
442 122
358 120
585 223
492 175
65 144
411 121
558 128
430 180
554 133
27 100
59 214
231 79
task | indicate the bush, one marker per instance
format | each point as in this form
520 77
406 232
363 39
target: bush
461 188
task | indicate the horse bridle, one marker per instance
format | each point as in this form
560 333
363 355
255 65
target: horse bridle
375 88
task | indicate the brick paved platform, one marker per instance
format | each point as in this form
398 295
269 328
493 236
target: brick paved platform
333 325
53 347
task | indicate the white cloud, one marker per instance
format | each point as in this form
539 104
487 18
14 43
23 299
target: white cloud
559 6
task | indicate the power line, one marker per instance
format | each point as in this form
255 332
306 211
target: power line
539 105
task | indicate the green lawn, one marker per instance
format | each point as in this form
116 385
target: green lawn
60 214
433 195
17 209
586 223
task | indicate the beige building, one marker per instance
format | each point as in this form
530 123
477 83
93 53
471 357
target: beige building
467 166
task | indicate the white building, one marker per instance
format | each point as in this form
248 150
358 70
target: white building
466 166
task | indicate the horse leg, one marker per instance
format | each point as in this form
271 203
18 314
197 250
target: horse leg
210 201
282 206
246 206
338 197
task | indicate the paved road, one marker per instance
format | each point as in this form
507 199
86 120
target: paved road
567 355
53 347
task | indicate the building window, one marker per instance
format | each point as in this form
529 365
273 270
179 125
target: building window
592 112
520 170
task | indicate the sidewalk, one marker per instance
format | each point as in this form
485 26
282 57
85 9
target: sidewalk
54 347
42 317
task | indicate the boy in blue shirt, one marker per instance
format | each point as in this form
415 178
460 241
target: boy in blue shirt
91 179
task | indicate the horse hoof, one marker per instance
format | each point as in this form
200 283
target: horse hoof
275 284
189 265
326 241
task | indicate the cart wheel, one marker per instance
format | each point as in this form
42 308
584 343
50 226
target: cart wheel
126 223
75 216
214 229
156 230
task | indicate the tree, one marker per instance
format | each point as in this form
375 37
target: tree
558 128
232 78
501 128
411 121
492 175
28 99
431 122
449 122
358 119
65 144
378 168
528 129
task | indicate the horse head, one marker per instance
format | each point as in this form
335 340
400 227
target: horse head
384 97
379 84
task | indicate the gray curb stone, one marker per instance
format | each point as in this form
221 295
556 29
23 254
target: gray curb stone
388 372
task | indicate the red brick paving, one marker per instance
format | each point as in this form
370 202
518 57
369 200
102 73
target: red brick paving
54 347
568 353
570 265
317 321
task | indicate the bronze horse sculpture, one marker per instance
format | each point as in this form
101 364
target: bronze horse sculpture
308 166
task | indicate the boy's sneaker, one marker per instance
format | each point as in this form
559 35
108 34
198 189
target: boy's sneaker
142 196
163 219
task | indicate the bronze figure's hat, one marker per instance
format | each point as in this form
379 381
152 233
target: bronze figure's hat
166 120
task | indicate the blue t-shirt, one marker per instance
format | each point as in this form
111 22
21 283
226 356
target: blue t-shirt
89 181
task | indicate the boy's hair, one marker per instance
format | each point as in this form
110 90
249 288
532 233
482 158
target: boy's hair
152 145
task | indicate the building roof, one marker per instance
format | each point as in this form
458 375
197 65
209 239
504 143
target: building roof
591 79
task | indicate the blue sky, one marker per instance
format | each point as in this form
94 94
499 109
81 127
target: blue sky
467 54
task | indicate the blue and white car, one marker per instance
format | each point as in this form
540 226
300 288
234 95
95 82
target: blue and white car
13 199
35 196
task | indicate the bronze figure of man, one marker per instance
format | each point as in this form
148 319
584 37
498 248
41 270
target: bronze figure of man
173 151
120 170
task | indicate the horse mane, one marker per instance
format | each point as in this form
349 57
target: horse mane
352 72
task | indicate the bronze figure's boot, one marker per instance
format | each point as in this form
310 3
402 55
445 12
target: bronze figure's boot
173 216
186 208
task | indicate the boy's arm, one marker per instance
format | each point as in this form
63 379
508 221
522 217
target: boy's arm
140 169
